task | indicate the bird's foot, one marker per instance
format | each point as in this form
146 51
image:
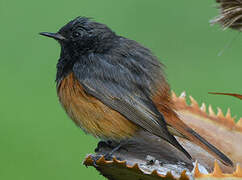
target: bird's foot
95 159
106 146
109 155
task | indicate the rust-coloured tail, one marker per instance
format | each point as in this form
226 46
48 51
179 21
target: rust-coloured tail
194 137
177 127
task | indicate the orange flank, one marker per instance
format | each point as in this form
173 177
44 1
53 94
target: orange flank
91 114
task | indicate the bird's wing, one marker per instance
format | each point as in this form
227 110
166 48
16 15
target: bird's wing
132 104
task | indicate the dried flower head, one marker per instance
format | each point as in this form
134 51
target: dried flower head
230 14
150 158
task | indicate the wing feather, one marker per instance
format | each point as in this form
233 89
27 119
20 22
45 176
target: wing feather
128 98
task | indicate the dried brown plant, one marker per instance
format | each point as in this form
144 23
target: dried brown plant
230 14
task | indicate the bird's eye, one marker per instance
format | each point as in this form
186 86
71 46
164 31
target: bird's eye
75 34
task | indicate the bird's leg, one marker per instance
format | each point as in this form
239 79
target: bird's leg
108 155
114 146
100 146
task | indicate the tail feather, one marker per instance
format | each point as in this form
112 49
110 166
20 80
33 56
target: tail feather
210 148
179 128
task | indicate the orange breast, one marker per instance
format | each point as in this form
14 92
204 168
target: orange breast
91 114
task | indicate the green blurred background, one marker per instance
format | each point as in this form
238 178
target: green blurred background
37 139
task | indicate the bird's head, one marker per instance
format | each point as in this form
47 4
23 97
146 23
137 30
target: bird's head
82 35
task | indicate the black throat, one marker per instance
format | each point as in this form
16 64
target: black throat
71 54
64 65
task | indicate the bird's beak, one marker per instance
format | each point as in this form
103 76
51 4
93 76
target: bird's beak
56 36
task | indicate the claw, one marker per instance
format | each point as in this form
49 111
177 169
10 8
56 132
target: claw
95 159
108 156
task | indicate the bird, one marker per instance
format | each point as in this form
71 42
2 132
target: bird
113 87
